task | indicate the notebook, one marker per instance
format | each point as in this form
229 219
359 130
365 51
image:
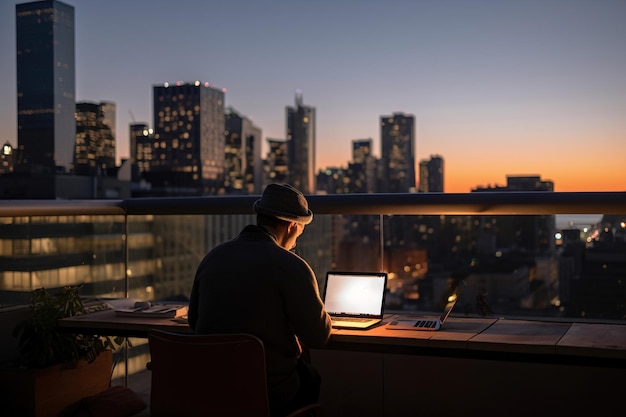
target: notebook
421 323
355 300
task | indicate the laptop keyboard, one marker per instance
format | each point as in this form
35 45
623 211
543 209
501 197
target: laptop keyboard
426 324
350 319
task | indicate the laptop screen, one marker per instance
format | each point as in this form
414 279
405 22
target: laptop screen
355 293
448 308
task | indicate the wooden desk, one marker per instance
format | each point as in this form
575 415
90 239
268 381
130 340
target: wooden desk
475 367
521 340
106 323
461 337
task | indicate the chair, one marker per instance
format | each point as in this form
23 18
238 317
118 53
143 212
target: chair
209 375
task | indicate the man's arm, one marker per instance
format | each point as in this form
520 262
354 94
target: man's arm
305 309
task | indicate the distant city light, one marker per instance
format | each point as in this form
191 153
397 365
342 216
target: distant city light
558 235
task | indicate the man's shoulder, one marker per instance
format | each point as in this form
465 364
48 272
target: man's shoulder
296 263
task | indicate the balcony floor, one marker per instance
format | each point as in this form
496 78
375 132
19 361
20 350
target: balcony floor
139 382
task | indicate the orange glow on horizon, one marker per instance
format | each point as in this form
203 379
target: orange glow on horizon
462 174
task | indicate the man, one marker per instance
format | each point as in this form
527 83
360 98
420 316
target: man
254 284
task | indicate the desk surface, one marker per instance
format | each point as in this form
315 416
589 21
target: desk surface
460 335
507 336
107 323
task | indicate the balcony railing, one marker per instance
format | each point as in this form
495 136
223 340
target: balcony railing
483 203
149 247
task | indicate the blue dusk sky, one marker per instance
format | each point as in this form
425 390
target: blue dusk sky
497 87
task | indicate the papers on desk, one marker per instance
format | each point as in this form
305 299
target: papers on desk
156 310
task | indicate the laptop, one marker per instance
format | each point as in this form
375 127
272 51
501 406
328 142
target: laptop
421 323
355 300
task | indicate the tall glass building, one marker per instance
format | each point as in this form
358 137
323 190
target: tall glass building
301 146
363 157
431 175
275 165
45 91
95 138
188 153
397 136
141 138
243 167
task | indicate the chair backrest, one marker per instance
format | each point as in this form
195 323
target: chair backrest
207 375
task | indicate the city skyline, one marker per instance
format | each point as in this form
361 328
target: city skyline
496 88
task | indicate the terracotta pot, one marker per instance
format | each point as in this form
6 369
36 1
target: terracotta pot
47 392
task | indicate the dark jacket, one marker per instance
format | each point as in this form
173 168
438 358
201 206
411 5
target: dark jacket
252 285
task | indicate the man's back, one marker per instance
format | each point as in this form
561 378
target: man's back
251 285
255 284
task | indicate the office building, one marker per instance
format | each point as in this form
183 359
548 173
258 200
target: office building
188 156
275 165
66 255
363 166
243 166
361 149
46 128
94 152
141 150
301 146
397 175
45 86
397 135
431 175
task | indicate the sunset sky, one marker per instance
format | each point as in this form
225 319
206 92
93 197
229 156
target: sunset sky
497 87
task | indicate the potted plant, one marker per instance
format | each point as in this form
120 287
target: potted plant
56 369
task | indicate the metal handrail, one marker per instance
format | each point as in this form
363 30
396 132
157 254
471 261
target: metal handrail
478 203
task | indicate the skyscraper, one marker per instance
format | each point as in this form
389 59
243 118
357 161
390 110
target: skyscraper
45 90
243 169
95 138
361 149
397 134
365 163
301 146
188 156
275 167
431 175
141 138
